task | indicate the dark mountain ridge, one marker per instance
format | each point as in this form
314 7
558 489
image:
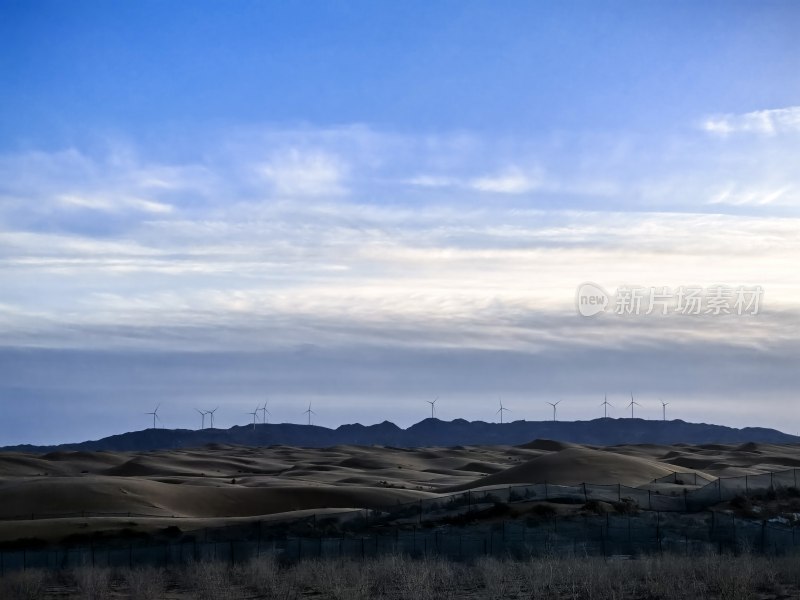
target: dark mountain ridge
430 432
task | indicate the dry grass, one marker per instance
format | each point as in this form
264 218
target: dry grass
25 585
93 583
146 583
399 577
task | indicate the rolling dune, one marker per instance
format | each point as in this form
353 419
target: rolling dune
222 482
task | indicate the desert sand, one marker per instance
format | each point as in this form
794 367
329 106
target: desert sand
47 495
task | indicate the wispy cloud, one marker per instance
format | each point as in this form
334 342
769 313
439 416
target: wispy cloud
114 204
761 122
510 181
295 173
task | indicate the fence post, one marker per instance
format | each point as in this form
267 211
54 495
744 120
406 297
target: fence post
629 529
746 486
658 530
649 500
585 497
603 540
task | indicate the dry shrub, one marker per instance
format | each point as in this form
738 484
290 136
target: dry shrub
500 578
94 583
337 579
397 576
23 585
207 580
267 578
147 583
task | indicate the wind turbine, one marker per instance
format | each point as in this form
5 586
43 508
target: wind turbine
264 412
309 412
211 412
664 408
605 404
501 410
554 408
433 405
155 415
633 402
255 414
202 417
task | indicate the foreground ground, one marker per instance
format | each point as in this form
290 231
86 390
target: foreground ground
712 577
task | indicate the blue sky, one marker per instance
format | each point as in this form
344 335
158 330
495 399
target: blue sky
367 204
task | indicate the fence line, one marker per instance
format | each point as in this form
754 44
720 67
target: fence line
608 535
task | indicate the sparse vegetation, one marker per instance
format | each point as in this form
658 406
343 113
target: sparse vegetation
725 577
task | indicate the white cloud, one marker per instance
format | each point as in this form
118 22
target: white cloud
734 195
509 181
114 204
296 173
761 122
433 181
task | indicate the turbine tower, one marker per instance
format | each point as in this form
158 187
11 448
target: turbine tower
255 414
211 412
433 405
664 409
554 408
501 410
605 404
155 415
309 412
202 418
632 404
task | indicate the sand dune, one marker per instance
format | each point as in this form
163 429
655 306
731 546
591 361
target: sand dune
580 465
229 482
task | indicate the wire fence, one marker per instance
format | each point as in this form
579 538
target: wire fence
672 514
608 536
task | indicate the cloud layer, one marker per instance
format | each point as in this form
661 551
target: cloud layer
365 253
